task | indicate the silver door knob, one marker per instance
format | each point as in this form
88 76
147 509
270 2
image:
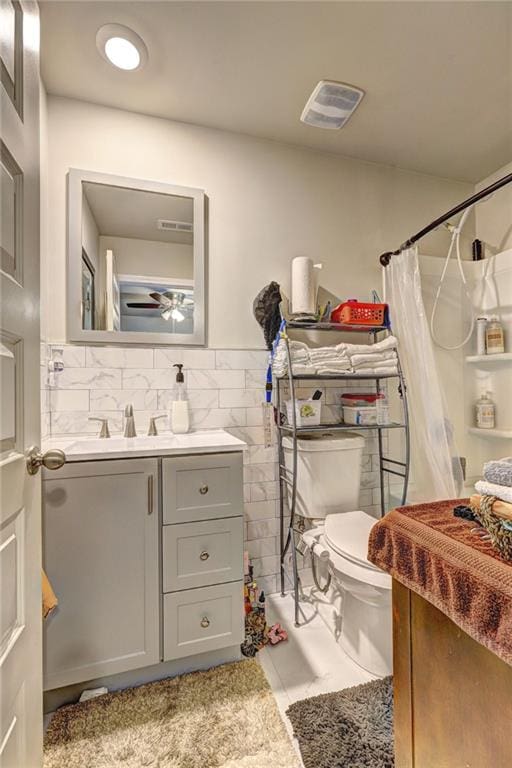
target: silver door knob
205 622
204 555
51 459
203 489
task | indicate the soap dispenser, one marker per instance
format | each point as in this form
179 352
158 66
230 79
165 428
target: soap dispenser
179 406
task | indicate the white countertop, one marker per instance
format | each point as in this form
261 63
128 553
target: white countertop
83 448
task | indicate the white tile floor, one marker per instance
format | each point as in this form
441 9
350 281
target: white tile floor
310 662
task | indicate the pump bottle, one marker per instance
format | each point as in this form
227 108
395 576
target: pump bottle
179 407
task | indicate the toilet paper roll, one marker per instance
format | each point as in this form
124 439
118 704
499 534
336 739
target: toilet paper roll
303 286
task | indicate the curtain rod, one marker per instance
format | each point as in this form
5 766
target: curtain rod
385 258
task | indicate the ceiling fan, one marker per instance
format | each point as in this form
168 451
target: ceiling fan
170 302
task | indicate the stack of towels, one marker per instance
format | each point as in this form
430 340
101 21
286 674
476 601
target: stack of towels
328 360
374 359
366 359
497 479
299 353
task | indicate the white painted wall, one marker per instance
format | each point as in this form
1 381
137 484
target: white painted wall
268 202
150 257
494 217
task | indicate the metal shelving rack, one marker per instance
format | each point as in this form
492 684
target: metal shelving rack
288 478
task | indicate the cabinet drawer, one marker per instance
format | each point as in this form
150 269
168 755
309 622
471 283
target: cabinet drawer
199 554
202 487
205 619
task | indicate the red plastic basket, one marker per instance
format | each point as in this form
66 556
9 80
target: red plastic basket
359 313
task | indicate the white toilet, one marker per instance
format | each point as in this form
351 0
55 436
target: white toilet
357 606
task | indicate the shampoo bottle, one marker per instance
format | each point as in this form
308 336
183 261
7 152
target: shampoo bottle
485 412
494 337
179 405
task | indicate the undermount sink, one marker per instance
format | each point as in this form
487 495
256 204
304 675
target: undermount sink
109 444
90 448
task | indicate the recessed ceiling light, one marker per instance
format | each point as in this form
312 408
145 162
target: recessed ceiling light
121 46
331 104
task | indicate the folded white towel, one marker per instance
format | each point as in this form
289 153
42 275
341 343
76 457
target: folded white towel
373 358
295 354
343 365
385 371
303 370
326 370
493 489
377 364
320 358
327 352
298 352
390 342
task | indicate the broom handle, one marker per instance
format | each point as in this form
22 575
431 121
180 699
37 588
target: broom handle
500 508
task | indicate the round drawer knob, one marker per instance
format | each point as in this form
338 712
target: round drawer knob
203 489
204 556
205 622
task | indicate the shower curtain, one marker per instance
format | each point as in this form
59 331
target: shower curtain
435 468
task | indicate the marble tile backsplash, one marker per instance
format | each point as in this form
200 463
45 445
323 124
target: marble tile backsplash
225 390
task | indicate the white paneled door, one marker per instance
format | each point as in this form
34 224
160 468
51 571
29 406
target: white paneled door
20 492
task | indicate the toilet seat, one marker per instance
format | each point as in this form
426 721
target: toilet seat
347 534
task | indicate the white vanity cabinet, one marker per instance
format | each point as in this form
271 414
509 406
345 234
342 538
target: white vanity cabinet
100 541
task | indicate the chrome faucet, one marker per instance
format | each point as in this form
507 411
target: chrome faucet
104 431
152 431
129 424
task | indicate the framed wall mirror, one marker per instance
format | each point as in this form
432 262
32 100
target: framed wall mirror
136 261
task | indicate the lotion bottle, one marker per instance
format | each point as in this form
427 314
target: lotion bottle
179 407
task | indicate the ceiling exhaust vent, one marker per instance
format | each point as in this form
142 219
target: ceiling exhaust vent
174 226
331 105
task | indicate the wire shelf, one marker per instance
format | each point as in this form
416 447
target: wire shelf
340 327
339 427
337 377
288 474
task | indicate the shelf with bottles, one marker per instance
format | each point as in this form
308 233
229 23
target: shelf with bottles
500 357
500 434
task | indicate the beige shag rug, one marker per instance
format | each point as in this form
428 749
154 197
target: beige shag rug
225 717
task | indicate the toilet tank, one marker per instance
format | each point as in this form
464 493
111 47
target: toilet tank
328 472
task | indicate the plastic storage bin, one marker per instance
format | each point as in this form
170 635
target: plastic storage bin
360 414
359 398
307 412
354 312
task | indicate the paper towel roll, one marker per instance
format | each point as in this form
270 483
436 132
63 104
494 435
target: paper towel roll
303 286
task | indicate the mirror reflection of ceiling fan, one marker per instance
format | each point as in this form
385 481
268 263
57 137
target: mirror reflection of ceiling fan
171 304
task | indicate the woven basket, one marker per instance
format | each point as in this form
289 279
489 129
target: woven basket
498 527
